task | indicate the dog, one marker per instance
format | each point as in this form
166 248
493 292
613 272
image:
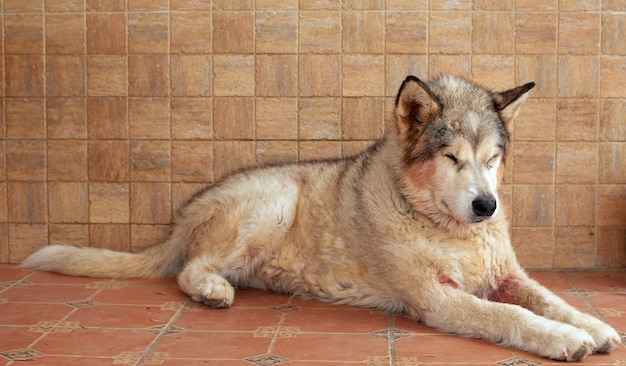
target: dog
411 225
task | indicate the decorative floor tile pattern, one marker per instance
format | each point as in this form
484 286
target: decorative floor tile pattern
48 319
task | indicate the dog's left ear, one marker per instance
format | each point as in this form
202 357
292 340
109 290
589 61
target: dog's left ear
508 103
416 106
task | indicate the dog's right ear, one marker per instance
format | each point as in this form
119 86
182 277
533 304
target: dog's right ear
416 106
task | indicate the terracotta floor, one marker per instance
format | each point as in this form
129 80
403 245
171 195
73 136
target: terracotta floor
49 319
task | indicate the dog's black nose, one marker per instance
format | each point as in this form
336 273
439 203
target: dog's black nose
484 207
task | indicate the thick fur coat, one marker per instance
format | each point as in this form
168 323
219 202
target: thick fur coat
413 225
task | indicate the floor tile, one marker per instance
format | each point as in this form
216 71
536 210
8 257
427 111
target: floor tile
331 347
337 320
12 338
450 348
554 281
121 293
233 319
12 313
45 293
599 281
213 345
121 316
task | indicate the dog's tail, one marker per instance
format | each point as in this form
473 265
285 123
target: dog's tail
162 260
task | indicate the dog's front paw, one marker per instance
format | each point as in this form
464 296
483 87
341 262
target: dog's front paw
570 344
606 338
214 291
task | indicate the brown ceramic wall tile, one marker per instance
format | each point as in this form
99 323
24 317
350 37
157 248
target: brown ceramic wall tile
107 118
65 33
108 161
109 236
150 203
109 203
276 118
192 161
66 118
25 118
150 160
136 104
68 202
233 118
576 162
192 118
67 160
148 32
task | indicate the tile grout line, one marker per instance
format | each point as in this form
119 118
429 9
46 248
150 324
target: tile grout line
581 294
162 333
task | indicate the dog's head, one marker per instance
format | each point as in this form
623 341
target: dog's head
454 140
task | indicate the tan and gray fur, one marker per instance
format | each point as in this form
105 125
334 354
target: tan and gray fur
413 225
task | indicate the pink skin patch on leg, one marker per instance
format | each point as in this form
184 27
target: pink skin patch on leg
445 280
508 290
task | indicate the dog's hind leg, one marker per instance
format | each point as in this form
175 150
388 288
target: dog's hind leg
200 280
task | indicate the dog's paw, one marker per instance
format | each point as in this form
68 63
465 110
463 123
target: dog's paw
607 339
214 291
570 344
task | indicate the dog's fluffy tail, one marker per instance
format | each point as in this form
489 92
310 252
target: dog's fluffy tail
159 261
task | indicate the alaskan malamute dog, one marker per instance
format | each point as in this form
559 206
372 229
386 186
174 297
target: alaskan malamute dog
412 225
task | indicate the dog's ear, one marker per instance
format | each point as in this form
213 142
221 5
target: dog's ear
508 103
416 106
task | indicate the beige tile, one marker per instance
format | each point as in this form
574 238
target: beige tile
320 4
233 75
493 33
192 118
320 119
534 247
25 118
27 202
67 160
612 120
537 5
109 203
450 32
68 202
149 118
148 75
542 69
277 4
106 33
363 118
536 121
406 32
613 77
575 247
579 5
533 162
319 150
233 118
276 32
182 24
276 118
150 203
579 33
457 65
24 76
110 236
613 32
24 239
26 160
319 32
231 156
23 34
610 252
109 161
612 204
495 72
190 5
148 5
65 76
575 205
150 160
192 161
362 4
107 118
148 32
106 76
535 33
276 75
71 234
611 164
577 120
66 118
576 162
362 32
106 5
533 206
65 34
578 76
233 32
191 75
319 75
363 75
276 152
398 67
233 5
65 6
490 5
144 236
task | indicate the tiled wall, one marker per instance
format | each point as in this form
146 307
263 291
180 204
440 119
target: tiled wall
114 112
